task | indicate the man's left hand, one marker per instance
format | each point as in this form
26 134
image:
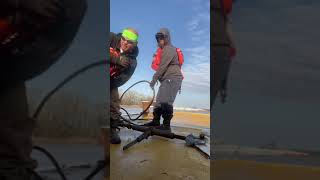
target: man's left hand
152 83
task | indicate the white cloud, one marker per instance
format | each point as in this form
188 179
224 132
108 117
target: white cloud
197 56
200 32
197 71
193 24
197 77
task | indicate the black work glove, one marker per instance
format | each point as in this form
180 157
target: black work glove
43 9
123 62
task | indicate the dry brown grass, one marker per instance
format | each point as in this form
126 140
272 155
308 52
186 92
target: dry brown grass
68 115
134 98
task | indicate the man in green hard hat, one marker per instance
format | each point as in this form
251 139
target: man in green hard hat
123 54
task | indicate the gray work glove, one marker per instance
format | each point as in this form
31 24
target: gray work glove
152 83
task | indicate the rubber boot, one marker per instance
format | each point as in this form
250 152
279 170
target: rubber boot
166 122
115 138
167 114
156 118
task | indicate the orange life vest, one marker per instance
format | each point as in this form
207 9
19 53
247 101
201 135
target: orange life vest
8 33
114 69
157 59
5 29
227 6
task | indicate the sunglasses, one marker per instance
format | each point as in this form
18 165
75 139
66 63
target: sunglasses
128 41
160 36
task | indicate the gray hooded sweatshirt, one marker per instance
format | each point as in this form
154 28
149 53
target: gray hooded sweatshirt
169 67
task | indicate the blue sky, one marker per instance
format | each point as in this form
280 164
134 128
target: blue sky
189 24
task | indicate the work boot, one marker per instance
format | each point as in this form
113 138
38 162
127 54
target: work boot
115 138
156 118
167 114
166 122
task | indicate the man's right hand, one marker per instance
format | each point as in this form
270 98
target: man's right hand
123 61
48 9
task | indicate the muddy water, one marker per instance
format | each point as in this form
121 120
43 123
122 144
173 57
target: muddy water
156 159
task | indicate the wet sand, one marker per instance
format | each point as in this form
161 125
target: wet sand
191 119
157 159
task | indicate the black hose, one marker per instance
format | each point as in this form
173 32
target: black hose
101 164
53 160
128 114
46 98
36 175
145 110
66 80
